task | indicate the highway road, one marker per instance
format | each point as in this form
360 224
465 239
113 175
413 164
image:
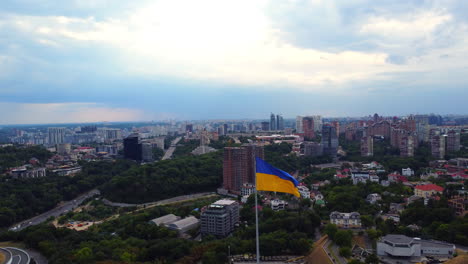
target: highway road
61 209
161 202
171 149
19 256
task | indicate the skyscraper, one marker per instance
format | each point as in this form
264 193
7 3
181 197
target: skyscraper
329 140
299 128
279 122
272 122
56 135
308 127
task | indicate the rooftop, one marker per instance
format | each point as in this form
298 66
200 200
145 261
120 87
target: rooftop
430 187
398 239
165 219
224 202
186 222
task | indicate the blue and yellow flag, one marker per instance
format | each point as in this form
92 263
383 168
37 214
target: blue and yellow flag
272 179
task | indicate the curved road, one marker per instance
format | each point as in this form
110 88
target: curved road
161 202
19 256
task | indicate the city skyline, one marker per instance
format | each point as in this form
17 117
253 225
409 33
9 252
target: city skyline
90 61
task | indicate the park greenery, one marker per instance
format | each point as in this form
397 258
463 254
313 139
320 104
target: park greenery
165 179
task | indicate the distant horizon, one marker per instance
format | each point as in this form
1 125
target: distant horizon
103 123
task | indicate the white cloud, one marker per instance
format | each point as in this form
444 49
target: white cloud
220 41
411 26
235 42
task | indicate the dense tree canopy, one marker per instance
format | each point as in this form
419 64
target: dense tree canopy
13 156
166 178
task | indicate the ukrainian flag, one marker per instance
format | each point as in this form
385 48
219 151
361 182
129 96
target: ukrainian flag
272 179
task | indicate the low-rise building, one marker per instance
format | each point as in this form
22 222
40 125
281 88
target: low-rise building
407 172
427 190
304 191
184 225
247 189
346 220
360 176
28 172
373 198
394 217
403 246
277 204
459 204
167 219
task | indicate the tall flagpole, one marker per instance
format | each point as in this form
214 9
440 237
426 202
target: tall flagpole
256 212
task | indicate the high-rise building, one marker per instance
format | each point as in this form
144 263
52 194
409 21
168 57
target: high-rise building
234 168
189 128
381 128
272 122
453 141
407 146
226 130
317 123
132 147
308 127
56 135
299 128
313 149
367 146
239 166
336 124
329 140
146 151
438 146
265 126
279 122
113 134
220 218
253 151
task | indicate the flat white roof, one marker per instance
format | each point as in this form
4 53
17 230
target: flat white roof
224 202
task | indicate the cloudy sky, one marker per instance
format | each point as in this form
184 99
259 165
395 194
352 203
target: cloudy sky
120 60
